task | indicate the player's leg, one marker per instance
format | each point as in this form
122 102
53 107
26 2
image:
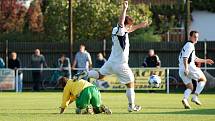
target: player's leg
83 102
187 92
20 82
126 77
198 75
95 74
130 93
80 75
103 71
189 87
97 103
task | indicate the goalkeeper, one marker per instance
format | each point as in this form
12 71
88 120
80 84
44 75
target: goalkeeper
86 95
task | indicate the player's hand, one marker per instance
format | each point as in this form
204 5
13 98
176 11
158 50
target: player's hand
125 4
73 68
186 72
70 102
143 24
62 110
209 61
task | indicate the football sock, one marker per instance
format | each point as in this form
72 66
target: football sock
187 93
200 86
93 74
130 95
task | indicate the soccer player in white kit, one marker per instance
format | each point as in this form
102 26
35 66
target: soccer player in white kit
118 61
189 71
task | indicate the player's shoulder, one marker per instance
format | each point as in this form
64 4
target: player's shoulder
189 45
115 29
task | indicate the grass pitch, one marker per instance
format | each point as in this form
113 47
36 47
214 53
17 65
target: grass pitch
156 107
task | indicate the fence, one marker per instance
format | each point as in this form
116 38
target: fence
172 79
167 51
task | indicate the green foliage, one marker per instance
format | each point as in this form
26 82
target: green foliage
146 35
94 20
166 17
208 5
56 21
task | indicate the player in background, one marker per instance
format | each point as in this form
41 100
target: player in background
86 95
189 71
118 61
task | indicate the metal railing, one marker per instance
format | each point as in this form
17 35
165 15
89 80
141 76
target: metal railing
54 69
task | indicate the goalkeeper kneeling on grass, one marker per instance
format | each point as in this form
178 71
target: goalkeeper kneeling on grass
86 95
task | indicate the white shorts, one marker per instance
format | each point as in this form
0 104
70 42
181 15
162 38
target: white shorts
122 71
194 73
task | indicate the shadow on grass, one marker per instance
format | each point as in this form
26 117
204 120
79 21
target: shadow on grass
160 108
185 111
195 112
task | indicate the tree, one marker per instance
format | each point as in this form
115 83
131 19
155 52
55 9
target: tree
94 20
13 16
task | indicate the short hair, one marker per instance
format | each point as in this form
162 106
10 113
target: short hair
82 45
13 52
63 55
193 32
128 20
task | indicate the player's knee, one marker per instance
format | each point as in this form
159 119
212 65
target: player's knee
189 86
130 85
101 76
203 78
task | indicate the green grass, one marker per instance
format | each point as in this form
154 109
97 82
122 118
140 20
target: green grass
156 107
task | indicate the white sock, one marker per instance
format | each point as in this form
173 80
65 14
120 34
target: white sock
187 93
93 74
130 95
200 86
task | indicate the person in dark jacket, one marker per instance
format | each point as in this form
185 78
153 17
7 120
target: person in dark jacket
15 63
152 60
100 60
65 66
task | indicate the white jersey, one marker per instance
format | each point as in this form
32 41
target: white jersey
188 51
120 47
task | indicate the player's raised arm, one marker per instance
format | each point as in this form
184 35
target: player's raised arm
138 26
123 14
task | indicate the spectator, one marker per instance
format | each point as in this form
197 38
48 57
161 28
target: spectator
15 63
2 64
100 60
37 61
82 59
65 66
152 60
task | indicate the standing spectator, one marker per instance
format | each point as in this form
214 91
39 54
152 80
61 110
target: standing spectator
100 60
37 61
82 59
15 63
152 60
65 66
2 64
